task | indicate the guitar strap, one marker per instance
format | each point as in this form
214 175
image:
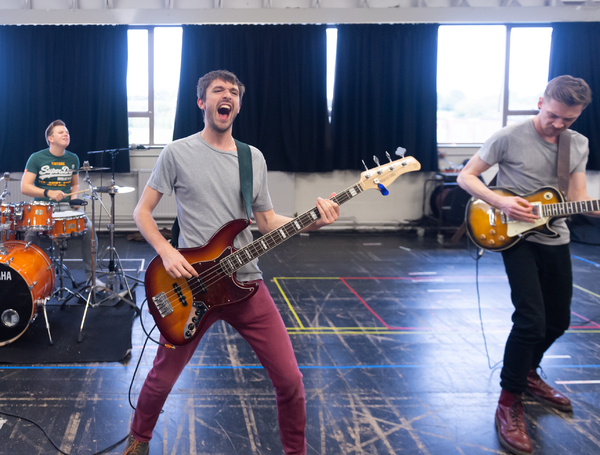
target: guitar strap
245 164
564 161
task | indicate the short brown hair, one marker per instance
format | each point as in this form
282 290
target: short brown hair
569 90
224 75
51 127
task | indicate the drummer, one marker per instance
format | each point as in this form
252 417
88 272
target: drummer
49 175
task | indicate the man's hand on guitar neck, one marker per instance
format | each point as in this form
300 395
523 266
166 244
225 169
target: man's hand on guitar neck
328 210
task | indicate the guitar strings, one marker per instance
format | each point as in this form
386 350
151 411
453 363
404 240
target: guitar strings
216 273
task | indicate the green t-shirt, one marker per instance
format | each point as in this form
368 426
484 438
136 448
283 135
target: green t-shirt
52 172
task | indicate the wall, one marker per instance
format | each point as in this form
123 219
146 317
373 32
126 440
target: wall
293 194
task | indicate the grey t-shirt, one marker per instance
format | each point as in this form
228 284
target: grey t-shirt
526 162
207 188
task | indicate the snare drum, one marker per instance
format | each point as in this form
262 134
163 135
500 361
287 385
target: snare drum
7 222
26 279
67 224
34 216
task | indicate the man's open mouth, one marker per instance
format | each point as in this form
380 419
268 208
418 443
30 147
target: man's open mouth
224 111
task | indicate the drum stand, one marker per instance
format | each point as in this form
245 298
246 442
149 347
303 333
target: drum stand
43 303
61 270
91 287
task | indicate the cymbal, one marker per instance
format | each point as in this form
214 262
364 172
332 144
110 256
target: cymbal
92 168
114 189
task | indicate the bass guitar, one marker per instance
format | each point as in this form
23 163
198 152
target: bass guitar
489 228
180 306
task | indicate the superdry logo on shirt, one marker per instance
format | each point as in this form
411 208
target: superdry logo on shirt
49 172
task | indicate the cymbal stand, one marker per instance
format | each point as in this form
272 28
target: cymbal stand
6 191
116 278
4 233
92 288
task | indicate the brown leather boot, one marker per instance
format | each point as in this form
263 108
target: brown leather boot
135 447
545 394
510 424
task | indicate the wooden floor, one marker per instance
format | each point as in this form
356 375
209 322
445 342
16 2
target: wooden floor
387 333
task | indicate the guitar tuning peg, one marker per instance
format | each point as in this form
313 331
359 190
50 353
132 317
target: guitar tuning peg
401 151
392 167
367 175
376 160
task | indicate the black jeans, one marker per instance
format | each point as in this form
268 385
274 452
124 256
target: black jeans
541 283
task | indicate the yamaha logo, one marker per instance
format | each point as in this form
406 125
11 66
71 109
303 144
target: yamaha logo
5 276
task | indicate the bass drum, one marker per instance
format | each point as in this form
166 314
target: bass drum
26 279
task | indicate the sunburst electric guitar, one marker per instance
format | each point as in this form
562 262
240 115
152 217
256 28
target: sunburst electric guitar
180 306
489 228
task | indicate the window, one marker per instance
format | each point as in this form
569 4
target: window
152 83
488 76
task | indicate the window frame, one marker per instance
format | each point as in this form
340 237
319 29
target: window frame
506 112
149 113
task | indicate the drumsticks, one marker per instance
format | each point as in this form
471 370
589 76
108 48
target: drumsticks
77 192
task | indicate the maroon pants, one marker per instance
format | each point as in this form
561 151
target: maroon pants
259 323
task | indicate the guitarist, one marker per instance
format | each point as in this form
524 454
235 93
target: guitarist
203 171
538 268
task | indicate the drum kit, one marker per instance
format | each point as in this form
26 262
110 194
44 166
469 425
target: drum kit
28 275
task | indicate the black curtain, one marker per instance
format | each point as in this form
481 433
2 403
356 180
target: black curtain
385 93
74 73
574 51
284 110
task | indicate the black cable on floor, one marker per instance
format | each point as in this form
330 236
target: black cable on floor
50 439
477 258
148 337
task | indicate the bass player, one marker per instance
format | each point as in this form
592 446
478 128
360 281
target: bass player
203 171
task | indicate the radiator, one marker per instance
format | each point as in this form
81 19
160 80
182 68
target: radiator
167 207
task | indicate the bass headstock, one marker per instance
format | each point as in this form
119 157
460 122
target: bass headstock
381 176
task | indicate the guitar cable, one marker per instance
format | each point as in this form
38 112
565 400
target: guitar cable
477 258
148 338
108 449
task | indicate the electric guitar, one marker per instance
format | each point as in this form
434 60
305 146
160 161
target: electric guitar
180 306
489 228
